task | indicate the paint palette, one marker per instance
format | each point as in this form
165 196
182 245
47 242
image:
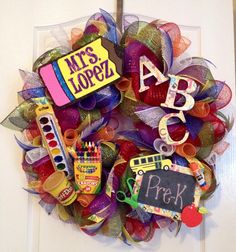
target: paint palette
52 139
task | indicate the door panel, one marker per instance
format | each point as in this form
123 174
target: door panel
205 23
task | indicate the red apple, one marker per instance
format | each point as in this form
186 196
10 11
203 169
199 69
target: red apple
191 217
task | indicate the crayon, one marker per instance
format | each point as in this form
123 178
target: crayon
78 146
89 157
89 146
72 152
85 157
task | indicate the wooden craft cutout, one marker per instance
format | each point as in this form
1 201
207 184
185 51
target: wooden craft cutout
166 193
153 72
163 129
185 93
82 72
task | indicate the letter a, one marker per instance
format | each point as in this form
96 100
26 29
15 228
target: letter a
173 91
153 71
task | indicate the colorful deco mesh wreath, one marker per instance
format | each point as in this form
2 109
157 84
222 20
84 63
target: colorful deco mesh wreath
120 132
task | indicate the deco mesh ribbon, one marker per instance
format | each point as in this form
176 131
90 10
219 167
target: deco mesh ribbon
124 121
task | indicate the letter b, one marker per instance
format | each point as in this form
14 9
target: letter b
173 91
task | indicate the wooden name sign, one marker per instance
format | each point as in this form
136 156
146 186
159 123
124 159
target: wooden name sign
167 192
82 72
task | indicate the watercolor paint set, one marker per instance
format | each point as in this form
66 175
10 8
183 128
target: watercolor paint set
52 139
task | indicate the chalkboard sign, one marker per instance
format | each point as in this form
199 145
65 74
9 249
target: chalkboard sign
168 190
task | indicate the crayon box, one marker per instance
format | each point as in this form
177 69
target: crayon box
88 176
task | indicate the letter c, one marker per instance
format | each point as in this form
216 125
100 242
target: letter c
163 130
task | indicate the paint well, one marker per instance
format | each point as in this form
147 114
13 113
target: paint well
55 151
50 136
43 120
47 128
58 159
52 144
61 166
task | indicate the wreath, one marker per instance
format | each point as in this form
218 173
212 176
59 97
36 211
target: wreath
121 130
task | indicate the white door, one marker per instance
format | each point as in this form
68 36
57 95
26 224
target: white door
24 226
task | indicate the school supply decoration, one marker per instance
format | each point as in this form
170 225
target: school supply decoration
52 138
60 188
143 164
82 72
133 200
121 128
88 169
167 193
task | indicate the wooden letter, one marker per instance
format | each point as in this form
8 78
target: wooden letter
153 71
173 91
163 130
